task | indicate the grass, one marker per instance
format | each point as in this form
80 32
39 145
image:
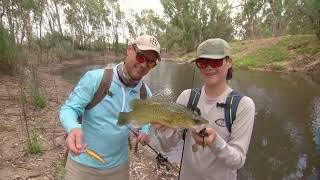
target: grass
239 46
302 44
276 51
38 100
262 56
277 67
59 170
33 144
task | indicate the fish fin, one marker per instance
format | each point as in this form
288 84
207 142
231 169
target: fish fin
124 118
163 95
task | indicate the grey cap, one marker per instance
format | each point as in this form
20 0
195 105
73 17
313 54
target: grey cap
213 49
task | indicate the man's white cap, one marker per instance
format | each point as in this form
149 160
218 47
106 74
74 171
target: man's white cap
147 42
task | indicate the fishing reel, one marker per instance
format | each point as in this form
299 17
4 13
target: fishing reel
162 161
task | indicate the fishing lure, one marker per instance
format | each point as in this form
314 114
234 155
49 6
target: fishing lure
95 156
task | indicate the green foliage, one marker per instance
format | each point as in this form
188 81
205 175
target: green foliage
59 170
192 22
312 10
33 144
7 50
37 99
100 44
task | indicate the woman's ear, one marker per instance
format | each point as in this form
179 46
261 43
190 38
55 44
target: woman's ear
229 60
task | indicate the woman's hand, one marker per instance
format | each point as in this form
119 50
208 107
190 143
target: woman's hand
206 138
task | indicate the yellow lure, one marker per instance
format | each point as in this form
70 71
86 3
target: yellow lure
95 156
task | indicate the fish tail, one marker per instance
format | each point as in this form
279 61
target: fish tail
124 118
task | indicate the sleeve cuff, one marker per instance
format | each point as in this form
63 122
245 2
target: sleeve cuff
72 126
146 129
218 145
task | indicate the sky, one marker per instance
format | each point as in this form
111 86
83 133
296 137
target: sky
139 5
155 5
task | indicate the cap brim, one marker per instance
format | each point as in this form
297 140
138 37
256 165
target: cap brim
210 57
146 48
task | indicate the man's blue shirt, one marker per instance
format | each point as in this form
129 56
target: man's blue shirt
99 124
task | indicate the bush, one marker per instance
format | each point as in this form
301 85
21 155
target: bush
99 44
33 144
38 100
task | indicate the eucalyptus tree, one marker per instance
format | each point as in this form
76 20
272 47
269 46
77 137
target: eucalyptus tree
311 11
192 21
219 21
252 17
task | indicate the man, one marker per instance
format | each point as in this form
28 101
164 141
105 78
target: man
225 146
99 131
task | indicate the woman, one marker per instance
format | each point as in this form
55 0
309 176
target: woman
224 150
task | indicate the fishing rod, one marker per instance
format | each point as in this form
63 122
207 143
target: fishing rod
184 132
161 160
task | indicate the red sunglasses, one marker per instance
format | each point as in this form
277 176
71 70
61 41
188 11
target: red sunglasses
141 58
202 63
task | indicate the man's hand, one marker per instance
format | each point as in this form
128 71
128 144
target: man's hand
143 138
74 141
209 139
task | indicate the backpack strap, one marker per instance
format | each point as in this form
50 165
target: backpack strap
103 88
143 91
193 100
230 109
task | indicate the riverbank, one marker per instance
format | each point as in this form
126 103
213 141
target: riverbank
15 161
299 53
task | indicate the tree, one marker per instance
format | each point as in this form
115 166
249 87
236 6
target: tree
192 21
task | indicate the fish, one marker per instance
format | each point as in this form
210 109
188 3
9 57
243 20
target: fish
168 113
95 156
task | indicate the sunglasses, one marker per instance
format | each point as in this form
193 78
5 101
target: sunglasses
141 58
202 63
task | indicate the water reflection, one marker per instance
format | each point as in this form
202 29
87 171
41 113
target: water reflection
176 77
316 123
286 138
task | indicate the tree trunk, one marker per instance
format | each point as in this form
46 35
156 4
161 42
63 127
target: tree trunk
28 28
251 29
278 26
1 15
40 37
58 17
6 7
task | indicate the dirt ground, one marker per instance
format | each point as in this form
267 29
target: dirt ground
17 164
